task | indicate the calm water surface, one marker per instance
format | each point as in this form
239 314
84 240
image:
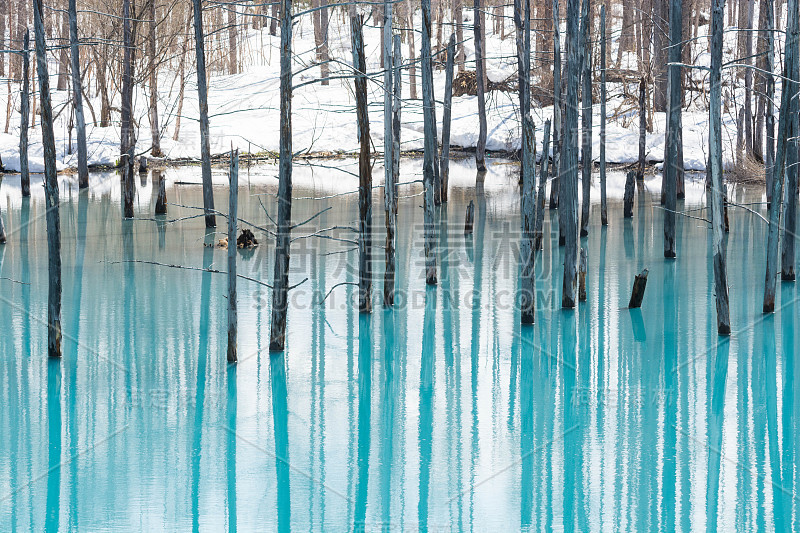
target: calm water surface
441 414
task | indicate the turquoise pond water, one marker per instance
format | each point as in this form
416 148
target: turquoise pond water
441 414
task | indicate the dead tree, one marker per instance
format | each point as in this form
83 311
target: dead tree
637 294
155 133
128 144
522 24
202 95
444 172
364 168
280 283
557 129
603 118
480 149
25 106
769 96
388 154
233 64
586 118
396 126
429 156
77 96
672 161
715 156
540 195
528 208
642 130
785 120
568 197
233 199
160 184
50 190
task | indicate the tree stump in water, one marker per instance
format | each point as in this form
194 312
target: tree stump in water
582 267
469 219
639 284
630 184
246 239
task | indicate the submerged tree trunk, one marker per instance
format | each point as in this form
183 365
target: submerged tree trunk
412 69
715 151
586 119
671 160
127 137
202 95
444 172
364 169
77 96
769 98
233 198
388 154
643 131
568 201
603 199
528 207
557 131
396 126
429 157
155 133
25 177
480 149
540 198
50 191
280 287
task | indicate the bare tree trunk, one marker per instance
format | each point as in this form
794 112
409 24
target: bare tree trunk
63 55
25 177
429 158
182 86
323 50
444 173
557 106
522 24
480 149
396 108
412 60
77 96
586 119
155 130
458 20
392 162
202 93
769 109
660 50
671 159
283 240
643 131
3 11
748 80
568 201
715 149
273 22
159 183
364 168
540 198
233 55
127 148
233 197
627 41
51 192
603 199
528 208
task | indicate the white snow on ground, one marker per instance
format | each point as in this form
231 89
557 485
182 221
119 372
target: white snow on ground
244 109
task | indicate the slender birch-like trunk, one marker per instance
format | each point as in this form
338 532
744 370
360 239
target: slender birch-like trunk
77 96
202 95
233 199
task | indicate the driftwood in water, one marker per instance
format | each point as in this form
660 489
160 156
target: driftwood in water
528 207
715 156
538 237
582 267
469 218
637 294
444 172
50 190
280 289
233 195
603 199
25 106
202 96
160 183
364 169
630 185
77 96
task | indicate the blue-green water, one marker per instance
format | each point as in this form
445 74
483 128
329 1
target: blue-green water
441 414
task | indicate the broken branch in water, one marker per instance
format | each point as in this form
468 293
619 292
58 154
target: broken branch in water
211 270
683 214
308 219
337 285
14 280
